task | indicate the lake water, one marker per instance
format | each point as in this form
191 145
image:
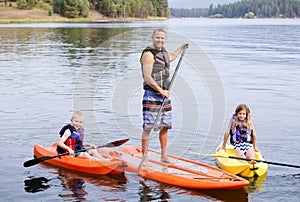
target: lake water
50 69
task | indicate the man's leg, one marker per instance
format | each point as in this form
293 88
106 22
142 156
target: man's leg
145 140
163 138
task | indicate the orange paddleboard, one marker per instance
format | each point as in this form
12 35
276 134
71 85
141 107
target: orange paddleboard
180 172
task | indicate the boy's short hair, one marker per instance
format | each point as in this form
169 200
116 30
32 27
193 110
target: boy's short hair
77 114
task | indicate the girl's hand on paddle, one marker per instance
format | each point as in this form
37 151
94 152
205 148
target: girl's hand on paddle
220 148
257 150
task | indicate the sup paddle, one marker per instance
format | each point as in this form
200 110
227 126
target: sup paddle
35 161
248 159
162 104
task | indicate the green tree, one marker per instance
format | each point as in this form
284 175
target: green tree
84 6
261 8
58 7
22 4
31 4
105 7
72 9
26 4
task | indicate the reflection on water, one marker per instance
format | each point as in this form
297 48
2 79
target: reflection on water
149 194
226 195
38 184
72 185
256 183
75 185
156 191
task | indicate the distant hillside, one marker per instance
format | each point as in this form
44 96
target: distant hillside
245 9
14 15
83 8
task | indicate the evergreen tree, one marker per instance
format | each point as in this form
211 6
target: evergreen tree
71 9
58 7
22 4
260 8
84 6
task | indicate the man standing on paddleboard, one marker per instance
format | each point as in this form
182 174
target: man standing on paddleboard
155 61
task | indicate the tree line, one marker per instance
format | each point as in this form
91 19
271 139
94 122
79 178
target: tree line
132 8
109 8
245 9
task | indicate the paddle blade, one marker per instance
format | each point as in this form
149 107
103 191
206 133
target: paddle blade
35 161
115 143
32 162
120 142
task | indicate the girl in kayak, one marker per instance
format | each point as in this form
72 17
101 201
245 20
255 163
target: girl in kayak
242 133
71 139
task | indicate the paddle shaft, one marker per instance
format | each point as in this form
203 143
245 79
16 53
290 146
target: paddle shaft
262 161
169 87
162 104
248 159
35 161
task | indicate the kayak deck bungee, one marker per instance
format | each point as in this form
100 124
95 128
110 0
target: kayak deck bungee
88 166
180 172
238 167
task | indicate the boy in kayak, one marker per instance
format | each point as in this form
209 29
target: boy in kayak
242 133
71 139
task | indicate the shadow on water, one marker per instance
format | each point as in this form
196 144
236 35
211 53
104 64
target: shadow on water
155 191
256 183
73 183
81 37
33 185
148 193
76 187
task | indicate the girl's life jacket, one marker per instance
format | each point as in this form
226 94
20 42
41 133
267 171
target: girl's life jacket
240 133
161 68
74 141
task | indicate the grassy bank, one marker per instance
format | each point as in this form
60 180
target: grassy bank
13 15
8 21
76 20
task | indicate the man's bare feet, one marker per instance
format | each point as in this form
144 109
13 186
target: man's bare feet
165 159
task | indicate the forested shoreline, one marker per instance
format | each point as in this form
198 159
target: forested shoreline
244 9
108 8
135 9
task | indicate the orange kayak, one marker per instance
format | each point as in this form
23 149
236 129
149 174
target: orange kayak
79 164
180 172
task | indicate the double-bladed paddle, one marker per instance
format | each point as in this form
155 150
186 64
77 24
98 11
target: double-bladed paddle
248 159
35 161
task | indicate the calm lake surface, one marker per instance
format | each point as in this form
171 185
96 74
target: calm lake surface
50 69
